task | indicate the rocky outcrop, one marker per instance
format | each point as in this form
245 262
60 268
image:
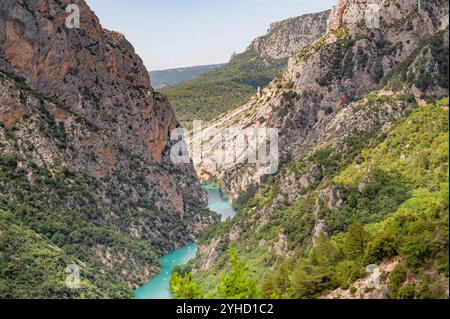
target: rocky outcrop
79 100
373 286
286 37
359 15
94 71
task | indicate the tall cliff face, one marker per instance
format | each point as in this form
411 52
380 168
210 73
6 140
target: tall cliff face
210 95
338 95
286 37
94 71
83 128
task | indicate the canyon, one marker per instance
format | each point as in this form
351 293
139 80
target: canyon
360 102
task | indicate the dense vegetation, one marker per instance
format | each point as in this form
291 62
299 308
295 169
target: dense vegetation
67 236
164 78
209 95
31 266
233 285
417 235
53 217
393 209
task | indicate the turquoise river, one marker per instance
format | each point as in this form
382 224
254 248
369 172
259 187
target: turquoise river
158 286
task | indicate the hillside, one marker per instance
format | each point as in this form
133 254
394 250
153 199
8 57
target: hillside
214 93
84 163
363 176
170 77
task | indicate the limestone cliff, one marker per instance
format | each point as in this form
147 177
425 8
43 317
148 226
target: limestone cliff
79 101
321 79
286 37
210 95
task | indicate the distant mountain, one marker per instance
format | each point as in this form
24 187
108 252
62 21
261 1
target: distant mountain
164 78
214 93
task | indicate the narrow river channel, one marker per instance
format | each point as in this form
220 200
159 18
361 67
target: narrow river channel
158 286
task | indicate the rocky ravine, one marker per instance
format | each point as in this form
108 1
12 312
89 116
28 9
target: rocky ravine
80 100
286 37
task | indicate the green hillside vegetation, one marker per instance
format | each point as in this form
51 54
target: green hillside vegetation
235 284
58 219
164 78
394 194
68 233
417 233
39 211
211 94
31 267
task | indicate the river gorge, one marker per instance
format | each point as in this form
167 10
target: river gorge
158 286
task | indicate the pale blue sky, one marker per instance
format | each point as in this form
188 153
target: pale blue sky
178 33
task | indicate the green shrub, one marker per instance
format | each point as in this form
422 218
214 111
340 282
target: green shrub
347 272
396 279
236 284
384 245
407 292
183 286
309 281
431 288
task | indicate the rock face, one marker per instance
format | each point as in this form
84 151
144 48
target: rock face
286 37
323 78
80 100
354 81
94 71
363 288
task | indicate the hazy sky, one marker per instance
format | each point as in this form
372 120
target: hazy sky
178 33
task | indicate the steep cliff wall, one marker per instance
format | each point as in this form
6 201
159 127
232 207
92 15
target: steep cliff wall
89 139
324 77
286 37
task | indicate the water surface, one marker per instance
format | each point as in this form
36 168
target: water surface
219 204
158 287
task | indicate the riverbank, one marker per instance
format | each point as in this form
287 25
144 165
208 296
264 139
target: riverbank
158 286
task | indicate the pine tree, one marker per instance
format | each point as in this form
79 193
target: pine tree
355 241
184 287
268 289
281 279
324 253
277 285
308 280
236 284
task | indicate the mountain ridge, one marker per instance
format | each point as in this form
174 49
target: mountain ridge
214 93
87 140
170 77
